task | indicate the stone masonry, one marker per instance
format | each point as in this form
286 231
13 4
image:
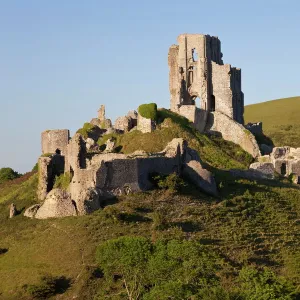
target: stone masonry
55 139
197 73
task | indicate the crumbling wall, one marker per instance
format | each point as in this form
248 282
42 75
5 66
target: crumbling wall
55 139
232 131
145 125
197 73
197 116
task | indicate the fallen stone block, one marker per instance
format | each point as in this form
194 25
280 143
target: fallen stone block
200 177
57 204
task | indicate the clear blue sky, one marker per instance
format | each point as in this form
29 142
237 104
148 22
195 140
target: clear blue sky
61 59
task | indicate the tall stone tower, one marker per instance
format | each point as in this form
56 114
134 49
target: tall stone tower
197 74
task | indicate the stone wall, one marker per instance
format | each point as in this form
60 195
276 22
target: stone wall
196 115
197 73
145 125
233 131
55 139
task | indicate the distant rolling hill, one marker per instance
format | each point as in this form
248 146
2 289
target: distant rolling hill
281 120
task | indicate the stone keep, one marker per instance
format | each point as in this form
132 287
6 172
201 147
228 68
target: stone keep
55 139
197 72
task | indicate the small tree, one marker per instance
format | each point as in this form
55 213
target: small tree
127 257
8 174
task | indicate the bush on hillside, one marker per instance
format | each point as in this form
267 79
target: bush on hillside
255 285
170 182
161 270
63 181
8 174
148 111
86 129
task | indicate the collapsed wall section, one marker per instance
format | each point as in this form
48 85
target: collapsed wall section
232 131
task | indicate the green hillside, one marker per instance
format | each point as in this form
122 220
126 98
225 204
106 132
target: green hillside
170 243
281 120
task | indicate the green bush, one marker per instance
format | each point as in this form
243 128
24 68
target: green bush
8 174
86 129
63 181
148 111
165 270
127 257
170 182
264 285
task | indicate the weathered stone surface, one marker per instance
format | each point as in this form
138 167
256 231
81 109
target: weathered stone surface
145 125
123 123
45 171
265 168
58 204
233 131
197 72
250 174
201 177
55 139
12 210
31 211
49 168
110 145
113 174
101 113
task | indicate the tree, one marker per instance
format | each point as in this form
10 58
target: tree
8 174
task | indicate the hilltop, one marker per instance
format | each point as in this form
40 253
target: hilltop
280 119
252 225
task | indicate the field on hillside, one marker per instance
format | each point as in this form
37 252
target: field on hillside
281 121
170 243
252 230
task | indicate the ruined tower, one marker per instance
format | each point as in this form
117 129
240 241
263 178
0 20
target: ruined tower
199 81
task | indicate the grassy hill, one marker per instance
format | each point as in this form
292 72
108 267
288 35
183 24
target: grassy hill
280 119
249 236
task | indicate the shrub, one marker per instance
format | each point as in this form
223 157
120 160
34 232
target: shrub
165 270
170 182
86 129
256 285
127 257
148 111
8 174
63 181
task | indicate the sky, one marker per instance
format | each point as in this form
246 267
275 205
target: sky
61 59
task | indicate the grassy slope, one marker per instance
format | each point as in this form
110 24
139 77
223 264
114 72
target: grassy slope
280 119
252 223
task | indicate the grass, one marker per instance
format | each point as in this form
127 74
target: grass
252 224
280 120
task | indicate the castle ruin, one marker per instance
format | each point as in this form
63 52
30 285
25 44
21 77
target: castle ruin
199 81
